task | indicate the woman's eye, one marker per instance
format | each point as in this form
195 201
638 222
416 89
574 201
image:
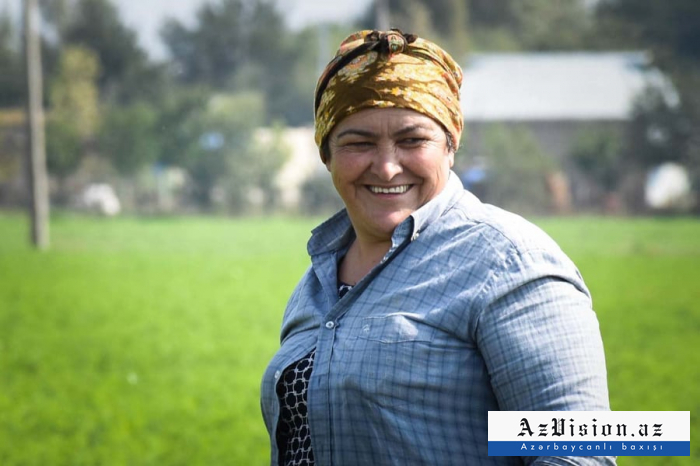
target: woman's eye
358 144
412 141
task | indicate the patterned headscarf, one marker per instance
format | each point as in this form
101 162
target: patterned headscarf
374 69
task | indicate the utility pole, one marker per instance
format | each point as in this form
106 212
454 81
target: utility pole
381 15
36 148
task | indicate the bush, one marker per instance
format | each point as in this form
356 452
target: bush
517 170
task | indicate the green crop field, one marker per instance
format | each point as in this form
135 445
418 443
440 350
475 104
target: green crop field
141 341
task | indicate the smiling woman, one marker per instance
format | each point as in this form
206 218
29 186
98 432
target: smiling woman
385 164
423 308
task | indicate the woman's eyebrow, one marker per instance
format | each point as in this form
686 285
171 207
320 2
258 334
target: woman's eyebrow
355 132
366 133
410 129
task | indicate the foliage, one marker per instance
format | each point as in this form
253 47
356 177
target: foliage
224 132
12 76
74 115
517 170
461 26
64 147
597 153
671 31
658 132
143 341
74 95
443 21
670 28
530 25
217 45
242 46
208 135
127 137
547 25
96 24
256 171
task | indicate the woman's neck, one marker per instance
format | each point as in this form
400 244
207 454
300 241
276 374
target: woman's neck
360 259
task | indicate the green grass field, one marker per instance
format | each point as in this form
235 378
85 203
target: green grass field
142 341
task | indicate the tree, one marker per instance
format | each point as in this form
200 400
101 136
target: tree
517 170
530 24
12 88
671 31
96 24
598 156
263 158
547 25
126 74
74 95
210 136
244 46
222 159
423 18
179 126
460 25
74 115
670 28
227 35
128 137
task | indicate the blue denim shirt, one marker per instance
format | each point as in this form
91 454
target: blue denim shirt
472 309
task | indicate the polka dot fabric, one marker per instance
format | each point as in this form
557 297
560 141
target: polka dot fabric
293 434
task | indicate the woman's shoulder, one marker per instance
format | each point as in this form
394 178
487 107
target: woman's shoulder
502 229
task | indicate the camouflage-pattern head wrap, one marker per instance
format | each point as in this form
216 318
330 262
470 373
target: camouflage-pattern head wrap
374 69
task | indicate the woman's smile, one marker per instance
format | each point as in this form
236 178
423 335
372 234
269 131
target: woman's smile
400 189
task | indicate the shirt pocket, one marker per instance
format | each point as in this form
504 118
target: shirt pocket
395 328
396 359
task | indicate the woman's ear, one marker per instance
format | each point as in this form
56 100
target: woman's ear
325 159
325 153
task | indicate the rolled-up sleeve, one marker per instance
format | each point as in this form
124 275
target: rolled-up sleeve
541 341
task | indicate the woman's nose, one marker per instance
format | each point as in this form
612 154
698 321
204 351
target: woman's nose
386 164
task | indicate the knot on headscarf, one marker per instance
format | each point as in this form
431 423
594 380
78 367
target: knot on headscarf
391 42
376 69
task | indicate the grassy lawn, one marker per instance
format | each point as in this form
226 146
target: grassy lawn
142 341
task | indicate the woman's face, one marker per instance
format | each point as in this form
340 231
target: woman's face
385 164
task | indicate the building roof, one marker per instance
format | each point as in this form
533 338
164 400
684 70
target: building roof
555 86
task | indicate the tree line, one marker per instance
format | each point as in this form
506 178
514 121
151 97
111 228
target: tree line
238 66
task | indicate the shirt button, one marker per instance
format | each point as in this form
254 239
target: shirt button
330 325
277 374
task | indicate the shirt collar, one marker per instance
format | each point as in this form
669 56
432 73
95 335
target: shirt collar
337 233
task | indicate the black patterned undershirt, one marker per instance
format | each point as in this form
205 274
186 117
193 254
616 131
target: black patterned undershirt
293 435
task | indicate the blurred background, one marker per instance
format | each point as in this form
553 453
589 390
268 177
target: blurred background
196 106
183 181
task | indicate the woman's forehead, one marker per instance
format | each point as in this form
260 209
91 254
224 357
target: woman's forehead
385 120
